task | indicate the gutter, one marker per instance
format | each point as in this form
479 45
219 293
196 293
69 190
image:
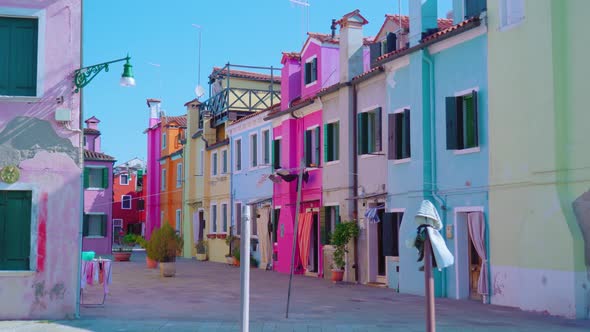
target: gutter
355 178
80 222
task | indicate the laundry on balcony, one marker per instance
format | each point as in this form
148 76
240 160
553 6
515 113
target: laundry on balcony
372 215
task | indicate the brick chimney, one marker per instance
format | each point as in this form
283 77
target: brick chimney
351 45
154 106
422 17
290 78
92 135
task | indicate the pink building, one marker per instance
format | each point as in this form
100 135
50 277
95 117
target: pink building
40 159
97 228
297 132
152 190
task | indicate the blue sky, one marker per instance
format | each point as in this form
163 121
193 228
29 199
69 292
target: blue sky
160 32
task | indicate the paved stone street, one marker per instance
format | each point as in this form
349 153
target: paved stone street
205 296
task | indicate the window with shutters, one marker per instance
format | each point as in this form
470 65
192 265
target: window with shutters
179 175
329 218
178 219
369 132
163 180
224 217
511 12
95 225
253 150
461 122
474 7
276 215
15 230
391 235
18 56
332 141
266 147
238 221
311 71
213 218
214 164
141 204
224 161
253 224
126 202
238 151
96 177
276 154
399 137
164 141
124 179
312 147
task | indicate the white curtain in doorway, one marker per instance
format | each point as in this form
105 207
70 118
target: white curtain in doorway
264 236
477 231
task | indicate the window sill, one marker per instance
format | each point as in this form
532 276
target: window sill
401 161
95 189
20 99
17 273
333 162
467 151
311 84
123 208
372 155
95 237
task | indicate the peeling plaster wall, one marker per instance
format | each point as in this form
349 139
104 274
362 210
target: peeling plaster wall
48 156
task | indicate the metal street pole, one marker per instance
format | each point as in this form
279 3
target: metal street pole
429 286
245 273
299 183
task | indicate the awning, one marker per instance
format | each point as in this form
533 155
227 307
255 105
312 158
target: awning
368 196
260 200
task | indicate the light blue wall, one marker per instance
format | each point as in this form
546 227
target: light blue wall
461 179
246 185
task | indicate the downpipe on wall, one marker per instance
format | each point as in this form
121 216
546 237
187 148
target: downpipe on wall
81 142
433 176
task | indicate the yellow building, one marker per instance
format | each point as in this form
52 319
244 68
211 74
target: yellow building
208 164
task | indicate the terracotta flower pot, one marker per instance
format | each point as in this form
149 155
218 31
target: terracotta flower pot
167 269
151 264
236 261
201 257
122 256
337 275
210 236
229 260
221 236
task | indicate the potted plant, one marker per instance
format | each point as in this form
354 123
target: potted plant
163 246
149 261
229 257
124 251
201 248
253 262
343 233
236 257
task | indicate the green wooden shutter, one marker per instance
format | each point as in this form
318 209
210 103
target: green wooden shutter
307 147
105 178
362 139
314 70
307 73
18 56
378 140
323 231
15 217
407 134
276 153
103 225
85 225
452 125
86 177
317 145
327 154
475 117
390 136
375 52
336 141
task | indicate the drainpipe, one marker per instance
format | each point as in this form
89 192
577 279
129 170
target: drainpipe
81 221
355 179
433 186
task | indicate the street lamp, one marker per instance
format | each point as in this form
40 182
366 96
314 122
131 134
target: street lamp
84 75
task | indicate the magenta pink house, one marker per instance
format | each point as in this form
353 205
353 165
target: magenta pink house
152 191
97 230
298 135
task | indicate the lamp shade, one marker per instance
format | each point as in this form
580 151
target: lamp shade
127 78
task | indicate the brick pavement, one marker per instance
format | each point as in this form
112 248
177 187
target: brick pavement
205 296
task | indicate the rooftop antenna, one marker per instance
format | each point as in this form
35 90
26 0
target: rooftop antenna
304 4
199 90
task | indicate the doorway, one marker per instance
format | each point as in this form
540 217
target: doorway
468 262
314 244
474 270
201 224
377 271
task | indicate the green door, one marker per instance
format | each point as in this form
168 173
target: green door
15 230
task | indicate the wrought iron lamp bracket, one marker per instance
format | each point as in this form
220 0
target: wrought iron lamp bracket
85 75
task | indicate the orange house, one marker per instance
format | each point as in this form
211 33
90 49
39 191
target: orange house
171 168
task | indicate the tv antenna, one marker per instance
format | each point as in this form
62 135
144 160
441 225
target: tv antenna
199 90
304 4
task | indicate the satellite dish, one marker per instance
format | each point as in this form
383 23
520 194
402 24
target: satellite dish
199 91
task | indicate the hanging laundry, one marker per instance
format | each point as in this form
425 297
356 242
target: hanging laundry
372 216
